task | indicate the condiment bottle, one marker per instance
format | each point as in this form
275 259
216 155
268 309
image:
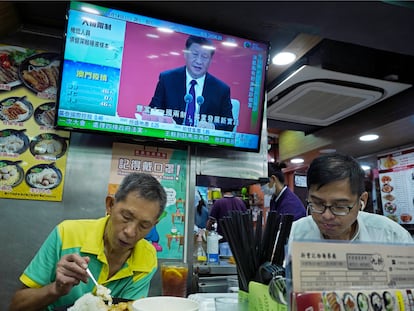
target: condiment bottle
213 245
199 252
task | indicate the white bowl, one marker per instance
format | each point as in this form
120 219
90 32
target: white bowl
167 303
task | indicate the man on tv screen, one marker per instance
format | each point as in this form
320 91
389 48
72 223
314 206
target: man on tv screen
192 96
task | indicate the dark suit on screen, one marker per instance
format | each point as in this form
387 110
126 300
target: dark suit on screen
171 89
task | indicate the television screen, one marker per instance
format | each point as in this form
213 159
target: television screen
128 74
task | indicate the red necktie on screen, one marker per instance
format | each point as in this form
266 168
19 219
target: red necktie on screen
189 120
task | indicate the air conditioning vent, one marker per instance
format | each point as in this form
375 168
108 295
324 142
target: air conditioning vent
321 97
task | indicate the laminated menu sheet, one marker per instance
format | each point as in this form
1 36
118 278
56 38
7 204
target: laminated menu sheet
351 276
356 300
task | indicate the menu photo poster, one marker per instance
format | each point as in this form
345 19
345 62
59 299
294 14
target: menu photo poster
32 153
169 167
396 179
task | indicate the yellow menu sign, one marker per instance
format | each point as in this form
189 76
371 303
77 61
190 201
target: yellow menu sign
32 153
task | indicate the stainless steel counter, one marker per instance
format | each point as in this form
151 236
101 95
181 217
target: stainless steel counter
213 278
222 268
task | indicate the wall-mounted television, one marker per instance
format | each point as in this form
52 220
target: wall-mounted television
128 74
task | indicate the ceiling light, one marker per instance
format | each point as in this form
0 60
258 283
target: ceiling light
284 58
297 161
165 29
229 43
368 137
89 10
208 47
366 167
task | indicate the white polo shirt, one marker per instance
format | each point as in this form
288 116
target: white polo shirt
371 228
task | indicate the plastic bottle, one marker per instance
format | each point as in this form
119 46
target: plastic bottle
199 252
213 245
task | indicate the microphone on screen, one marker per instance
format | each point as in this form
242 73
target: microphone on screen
188 98
200 100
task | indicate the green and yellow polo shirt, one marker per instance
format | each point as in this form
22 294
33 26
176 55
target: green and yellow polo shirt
85 237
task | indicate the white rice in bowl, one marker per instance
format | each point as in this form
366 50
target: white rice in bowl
89 302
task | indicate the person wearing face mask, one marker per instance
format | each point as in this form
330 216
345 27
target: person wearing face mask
283 200
336 200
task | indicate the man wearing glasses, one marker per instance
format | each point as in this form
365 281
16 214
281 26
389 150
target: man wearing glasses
336 200
191 95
